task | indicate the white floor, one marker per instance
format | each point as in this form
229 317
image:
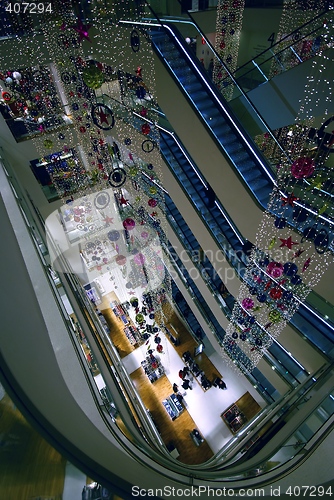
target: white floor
205 408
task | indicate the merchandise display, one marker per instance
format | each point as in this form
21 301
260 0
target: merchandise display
234 418
153 368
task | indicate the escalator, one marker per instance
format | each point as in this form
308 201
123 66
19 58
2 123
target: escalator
292 371
306 320
219 121
196 188
192 245
224 128
222 228
251 167
288 367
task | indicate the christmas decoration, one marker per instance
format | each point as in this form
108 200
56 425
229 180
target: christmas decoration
293 246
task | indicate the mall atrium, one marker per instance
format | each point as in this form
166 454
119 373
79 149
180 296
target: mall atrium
167 259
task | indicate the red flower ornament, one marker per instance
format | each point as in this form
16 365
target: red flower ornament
145 129
302 168
275 293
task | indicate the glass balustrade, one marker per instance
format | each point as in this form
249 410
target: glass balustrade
76 332
41 249
236 259
106 397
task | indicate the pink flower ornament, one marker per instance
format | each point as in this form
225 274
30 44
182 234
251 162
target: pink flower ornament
247 303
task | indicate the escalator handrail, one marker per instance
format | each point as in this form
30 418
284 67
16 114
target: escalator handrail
218 99
231 76
172 134
214 93
265 51
302 304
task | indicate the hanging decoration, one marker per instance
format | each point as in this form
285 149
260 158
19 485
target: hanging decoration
94 154
294 244
124 233
92 75
228 29
292 33
103 116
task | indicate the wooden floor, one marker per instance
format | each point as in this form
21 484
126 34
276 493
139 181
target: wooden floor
177 431
30 467
117 335
124 347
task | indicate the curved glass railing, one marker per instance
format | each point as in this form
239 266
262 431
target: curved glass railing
80 339
159 459
293 401
113 359
298 442
102 330
292 49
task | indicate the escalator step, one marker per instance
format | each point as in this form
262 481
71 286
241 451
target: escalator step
194 88
227 141
183 72
213 114
260 182
248 164
205 105
201 99
245 162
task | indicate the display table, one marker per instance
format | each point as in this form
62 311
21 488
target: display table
124 318
176 403
132 334
197 437
195 370
119 311
153 368
173 406
234 418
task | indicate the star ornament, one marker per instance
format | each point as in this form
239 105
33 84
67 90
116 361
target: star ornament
289 200
103 117
108 220
123 201
82 30
306 264
288 242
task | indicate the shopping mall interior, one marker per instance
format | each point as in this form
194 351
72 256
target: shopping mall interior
166 200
